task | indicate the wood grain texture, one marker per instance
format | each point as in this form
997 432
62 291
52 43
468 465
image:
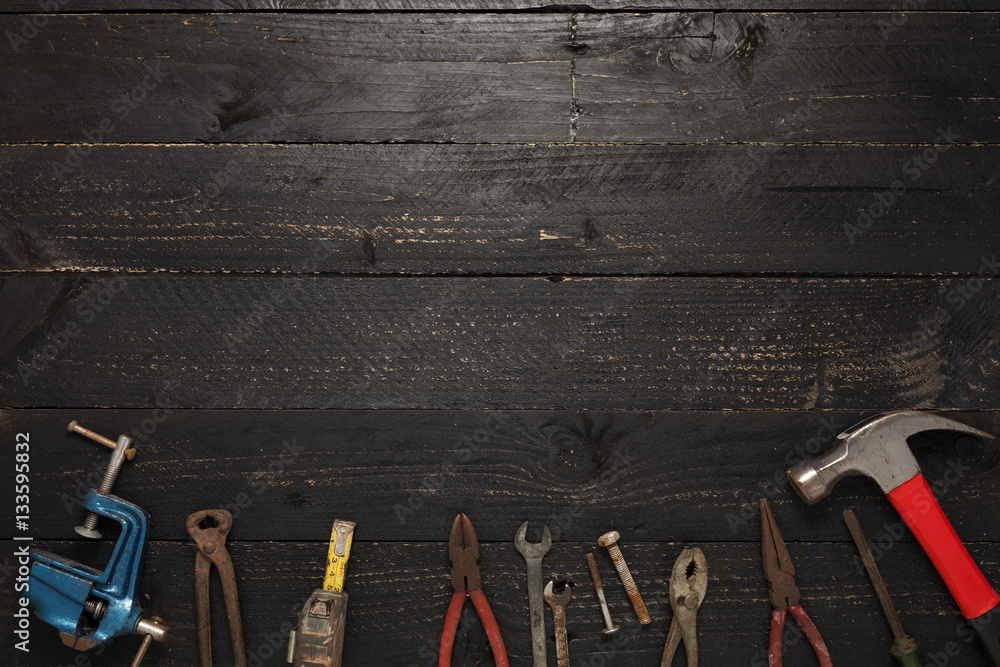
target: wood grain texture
399 592
672 77
277 77
692 476
10 6
785 77
628 343
502 209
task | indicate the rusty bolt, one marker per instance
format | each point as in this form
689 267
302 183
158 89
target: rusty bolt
610 540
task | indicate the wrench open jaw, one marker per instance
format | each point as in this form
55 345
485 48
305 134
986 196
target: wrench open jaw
557 602
533 553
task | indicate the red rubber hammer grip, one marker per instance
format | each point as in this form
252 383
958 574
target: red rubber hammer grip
922 513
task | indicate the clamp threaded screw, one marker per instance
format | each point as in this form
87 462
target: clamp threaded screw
118 456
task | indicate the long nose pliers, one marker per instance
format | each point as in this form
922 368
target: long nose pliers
784 593
466 580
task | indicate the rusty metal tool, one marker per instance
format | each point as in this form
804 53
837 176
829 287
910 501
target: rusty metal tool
878 448
211 541
784 594
467 581
609 627
904 648
688 585
610 541
557 602
533 554
318 639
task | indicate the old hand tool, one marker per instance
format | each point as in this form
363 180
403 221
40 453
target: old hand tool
533 554
904 648
688 585
783 592
877 448
466 579
609 627
610 541
88 606
557 602
318 640
211 542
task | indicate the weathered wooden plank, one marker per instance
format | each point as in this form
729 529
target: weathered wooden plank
501 209
33 6
399 593
480 77
655 476
267 77
786 77
627 343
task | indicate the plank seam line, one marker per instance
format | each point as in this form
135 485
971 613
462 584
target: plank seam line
534 277
544 10
586 144
989 412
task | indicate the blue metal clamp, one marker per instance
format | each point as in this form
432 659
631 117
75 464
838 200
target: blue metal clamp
87 606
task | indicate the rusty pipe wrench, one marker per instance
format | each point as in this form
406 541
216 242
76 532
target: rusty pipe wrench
533 554
212 550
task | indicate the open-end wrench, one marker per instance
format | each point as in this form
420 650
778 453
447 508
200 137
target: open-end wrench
558 602
533 554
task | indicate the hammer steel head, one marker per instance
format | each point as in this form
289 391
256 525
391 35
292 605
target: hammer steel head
877 448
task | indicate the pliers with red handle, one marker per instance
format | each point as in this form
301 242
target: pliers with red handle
783 591
463 548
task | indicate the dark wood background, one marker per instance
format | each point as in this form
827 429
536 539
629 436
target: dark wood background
603 266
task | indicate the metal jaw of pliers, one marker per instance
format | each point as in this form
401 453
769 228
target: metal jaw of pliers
212 550
688 585
466 580
784 592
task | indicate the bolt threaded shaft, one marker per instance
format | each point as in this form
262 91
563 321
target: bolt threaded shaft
630 588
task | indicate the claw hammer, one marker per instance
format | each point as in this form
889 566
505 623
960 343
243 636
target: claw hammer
877 448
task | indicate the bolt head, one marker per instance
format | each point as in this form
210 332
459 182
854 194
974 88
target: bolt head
612 630
87 532
609 538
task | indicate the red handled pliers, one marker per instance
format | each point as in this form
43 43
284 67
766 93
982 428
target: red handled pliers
783 591
463 548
